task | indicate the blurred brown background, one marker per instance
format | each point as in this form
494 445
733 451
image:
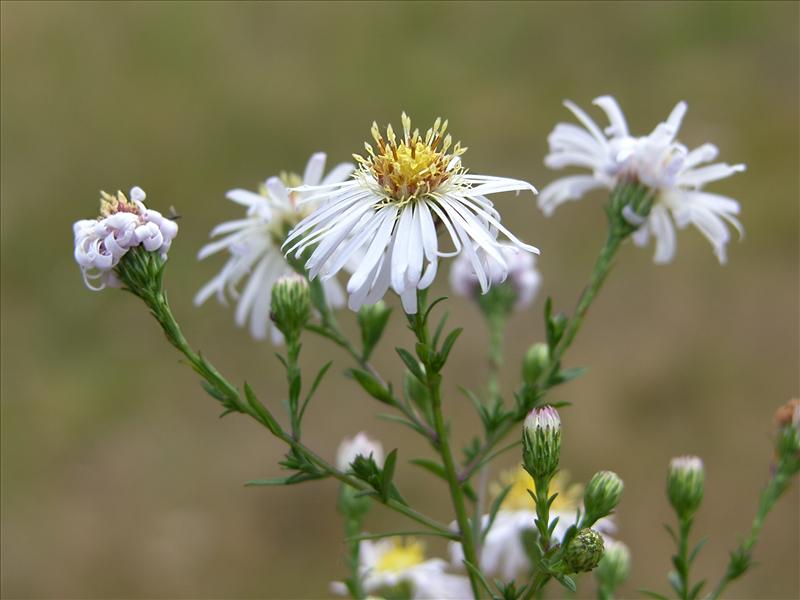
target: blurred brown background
118 478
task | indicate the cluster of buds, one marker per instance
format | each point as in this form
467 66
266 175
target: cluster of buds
685 484
541 442
124 223
291 305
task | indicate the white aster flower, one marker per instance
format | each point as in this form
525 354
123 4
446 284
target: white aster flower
521 274
503 553
387 215
658 161
123 224
387 563
253 244
359 445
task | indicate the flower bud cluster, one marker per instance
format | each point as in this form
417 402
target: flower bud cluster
123 224
541 442
685 483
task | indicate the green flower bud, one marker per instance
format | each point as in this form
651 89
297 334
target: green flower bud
685 485
535 362
291 305
602 495
541 442
614 567
584 551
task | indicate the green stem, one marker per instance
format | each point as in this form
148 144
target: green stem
619 229
497 325
683 556
740 559
330 330
433 382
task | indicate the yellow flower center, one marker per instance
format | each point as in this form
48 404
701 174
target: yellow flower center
412 166
518 498
401 556
110 205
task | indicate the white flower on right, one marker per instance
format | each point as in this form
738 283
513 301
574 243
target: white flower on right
658 161
387 563
358 445
521 273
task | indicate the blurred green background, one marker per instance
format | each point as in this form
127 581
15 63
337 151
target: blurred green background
119 480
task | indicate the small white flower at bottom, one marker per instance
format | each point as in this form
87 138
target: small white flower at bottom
387 563
656 160
124 223
521 273
253 245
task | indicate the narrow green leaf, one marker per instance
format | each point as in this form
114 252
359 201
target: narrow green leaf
430 308
695 591
494 508
372 386
439 329
261 410
671 533
430 466
388 473
447 346
477 573
697 549
315 385
411 364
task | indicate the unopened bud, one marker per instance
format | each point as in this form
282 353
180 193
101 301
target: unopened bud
291 305
615 566
535 362
541 442
685 485
359 445
584 551
602 495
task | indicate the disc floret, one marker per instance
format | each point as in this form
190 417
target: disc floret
412 166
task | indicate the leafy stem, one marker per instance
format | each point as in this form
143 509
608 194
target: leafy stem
432 361
142 274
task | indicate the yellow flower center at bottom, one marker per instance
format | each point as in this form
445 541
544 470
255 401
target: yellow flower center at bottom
401 557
